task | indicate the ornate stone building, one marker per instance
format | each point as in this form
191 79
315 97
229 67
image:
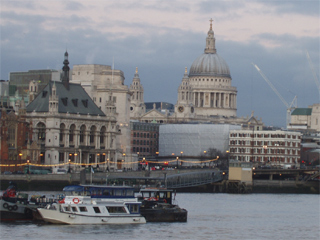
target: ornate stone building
70 127
207 90
106 87
137 105
205 94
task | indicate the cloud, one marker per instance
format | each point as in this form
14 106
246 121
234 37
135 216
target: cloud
162 38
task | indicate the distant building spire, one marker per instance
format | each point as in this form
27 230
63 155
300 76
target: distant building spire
65 69
210 41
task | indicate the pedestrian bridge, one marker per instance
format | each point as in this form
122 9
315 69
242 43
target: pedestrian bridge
192 179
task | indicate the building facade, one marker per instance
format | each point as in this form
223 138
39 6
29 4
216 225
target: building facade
306 118
15 139
205 94
207 90
265 147
106 86
71 129
144 139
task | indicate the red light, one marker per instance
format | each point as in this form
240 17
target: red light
166 163
302 161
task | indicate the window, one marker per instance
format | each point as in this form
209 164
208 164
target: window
96 209
75 102
67 208
74 209
102 134
133 208
83 209
12 136
71 132
42 131
85 103
92 133
116 210
82 133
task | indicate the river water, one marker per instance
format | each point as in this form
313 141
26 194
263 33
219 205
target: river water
210 216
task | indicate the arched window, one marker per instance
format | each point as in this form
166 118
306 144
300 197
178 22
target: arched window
82 133
92 133
71 132
62 128
42 131
11 136
102 134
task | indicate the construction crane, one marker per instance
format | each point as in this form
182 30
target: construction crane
314 74
290 107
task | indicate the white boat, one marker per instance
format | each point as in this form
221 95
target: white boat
92 204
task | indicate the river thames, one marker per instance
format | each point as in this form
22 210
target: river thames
210 216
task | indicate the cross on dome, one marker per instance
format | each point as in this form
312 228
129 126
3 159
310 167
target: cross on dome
211 23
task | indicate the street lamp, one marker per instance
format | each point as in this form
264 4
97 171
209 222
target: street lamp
177 162
227 152
181 158
69 166
20 155
124 156
28 171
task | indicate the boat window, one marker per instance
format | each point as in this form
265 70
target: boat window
83 209
74 209
162 195
106 192
116 210
119 192
133 208
130 192
67 208
96 209
145 194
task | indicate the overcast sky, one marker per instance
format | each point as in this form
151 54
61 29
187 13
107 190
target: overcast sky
161 38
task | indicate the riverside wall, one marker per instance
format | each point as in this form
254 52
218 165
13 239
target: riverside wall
56 182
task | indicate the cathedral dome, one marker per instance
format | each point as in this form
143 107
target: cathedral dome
209 64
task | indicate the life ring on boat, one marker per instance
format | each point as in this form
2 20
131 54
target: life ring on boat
152 199
75 200
10 208
12 194
14 207
5 205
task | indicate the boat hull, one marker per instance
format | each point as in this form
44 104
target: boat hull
165 215
58 217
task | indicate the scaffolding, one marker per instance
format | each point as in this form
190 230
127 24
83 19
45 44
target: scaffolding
193 139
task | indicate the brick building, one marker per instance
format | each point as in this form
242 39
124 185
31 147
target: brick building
265 147
144 139
15 139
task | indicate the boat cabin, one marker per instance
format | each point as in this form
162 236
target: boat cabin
97 191
157 194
